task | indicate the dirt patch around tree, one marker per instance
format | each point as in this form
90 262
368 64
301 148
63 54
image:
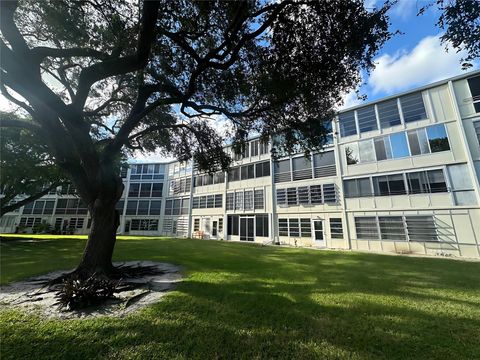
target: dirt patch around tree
35 296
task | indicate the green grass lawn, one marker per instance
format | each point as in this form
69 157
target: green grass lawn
247 301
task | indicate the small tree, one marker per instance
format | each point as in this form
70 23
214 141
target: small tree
101 76
28 169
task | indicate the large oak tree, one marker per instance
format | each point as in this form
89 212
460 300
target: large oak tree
101 76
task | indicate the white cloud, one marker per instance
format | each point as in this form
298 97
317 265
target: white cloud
349 100
426 63
406 8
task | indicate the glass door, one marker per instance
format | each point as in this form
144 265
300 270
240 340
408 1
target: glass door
247 228
318 234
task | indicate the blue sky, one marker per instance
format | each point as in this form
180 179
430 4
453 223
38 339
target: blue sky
410 59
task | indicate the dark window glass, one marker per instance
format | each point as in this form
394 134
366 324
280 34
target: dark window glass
292 196
133 190
436 181
261 225
157 190
131 207
336 229
413 108
417 183
367 120
388 113
437 137
143 207
145 189
305 228
294 227
155 207
283 227
347 124
474 85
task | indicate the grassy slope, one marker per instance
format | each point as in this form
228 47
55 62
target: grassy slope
245 301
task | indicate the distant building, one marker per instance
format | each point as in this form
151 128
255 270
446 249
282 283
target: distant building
401 175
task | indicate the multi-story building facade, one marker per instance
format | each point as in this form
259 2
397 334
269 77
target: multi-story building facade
400 174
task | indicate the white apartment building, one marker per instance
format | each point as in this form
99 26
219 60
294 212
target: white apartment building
400 174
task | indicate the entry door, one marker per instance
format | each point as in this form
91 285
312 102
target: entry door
318 234
214 229
247 228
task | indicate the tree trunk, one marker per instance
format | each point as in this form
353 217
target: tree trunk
97 255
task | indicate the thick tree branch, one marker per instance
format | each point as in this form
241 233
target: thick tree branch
8 208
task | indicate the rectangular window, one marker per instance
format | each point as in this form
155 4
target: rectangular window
436 181
418 142
254 148
476 126
437 138
155 207
292 196
474 85
239 200
145 189
388 113
132 207
358 187
248 200
282 170
347 124
281 196
324 164
48 209
196 224
329 194
351 154
234 174
230 201
413 108
383 149
258 199
417 182
399 145
134 189
203 202
367 120
38 207
389 185
366 151
232 224
293 227
304 195
336 228
261 225
143 207
392 228
196 202
282 227
421 228
316 194
185 206
210 201
366 228
305 228
263 147
218 201
220 224
302 168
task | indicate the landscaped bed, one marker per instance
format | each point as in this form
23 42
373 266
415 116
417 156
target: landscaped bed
247 301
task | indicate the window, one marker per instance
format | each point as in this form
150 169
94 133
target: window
302 168
418 142
347 124
391 228
413 108
230 201
258 200
367 120
232 224
383 149
351 153
324 164
366 151
389 185
358 188
196 224
436 181
461 183
282 227
316 194
254 148
145 189
132 207
294 227
144 224
399 145
210 201
388 113
417 182
155 207
234 174
202 204
476 126
158 187
366 227
336 228
281 196
248 172
248 200
220 224
261 225
303 195
263 147
218 201
292 196
262 169
196 202
239 200
143 207
282 170
119 206
421 228
329 193
133 190
305 228
437 138
474 85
